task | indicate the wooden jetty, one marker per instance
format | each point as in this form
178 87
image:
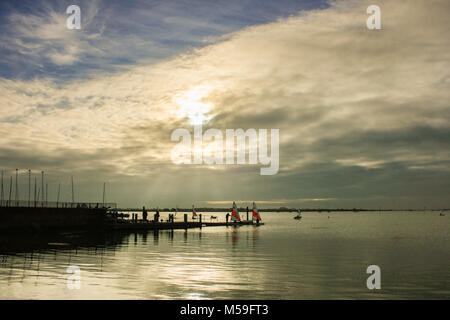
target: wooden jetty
149 225
135 224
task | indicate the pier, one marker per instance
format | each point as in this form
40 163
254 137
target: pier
135 224
53 217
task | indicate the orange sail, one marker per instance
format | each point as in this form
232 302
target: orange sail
256 215
235 213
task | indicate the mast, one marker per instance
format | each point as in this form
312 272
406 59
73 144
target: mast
10 191
35 191
104 186
73 199
1 203
46 194
17 187
42 173
57 198
29 187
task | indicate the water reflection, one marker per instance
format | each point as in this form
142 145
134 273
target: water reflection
319 258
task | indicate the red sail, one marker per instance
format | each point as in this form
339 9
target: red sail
256 215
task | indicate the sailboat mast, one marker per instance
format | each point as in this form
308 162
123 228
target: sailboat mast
104 186
42 173
73 198
35 191
29 187
57 198
1 203
10 191
17 187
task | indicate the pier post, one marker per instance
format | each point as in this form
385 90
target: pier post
200 220
185 218
247 213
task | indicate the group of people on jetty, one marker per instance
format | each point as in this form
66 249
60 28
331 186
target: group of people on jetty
234 215
155 216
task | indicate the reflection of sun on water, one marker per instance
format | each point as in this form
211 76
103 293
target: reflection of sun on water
191 104
194 296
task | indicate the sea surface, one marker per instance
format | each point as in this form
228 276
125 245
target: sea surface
323 256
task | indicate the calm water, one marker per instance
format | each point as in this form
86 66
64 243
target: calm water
324 256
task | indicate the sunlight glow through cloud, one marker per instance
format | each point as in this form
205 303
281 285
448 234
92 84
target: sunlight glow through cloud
192 104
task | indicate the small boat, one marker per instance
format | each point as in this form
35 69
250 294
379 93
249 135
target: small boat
235 213
298 216
255 214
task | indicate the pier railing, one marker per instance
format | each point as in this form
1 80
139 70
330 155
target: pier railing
51 204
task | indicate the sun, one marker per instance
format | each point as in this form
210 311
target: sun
192 105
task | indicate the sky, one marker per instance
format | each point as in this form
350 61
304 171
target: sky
363 115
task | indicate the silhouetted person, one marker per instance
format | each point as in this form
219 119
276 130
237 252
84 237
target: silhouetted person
144 214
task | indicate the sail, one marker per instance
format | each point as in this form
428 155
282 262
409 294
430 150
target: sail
235 213
194 213
256 215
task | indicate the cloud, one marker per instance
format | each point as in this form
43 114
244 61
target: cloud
115 35
44 35
363 115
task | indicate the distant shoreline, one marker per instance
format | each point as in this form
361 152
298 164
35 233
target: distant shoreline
273 210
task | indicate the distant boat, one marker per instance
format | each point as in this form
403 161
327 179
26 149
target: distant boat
442 213
298 216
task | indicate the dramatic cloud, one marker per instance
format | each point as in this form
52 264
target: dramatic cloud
363 114
115 34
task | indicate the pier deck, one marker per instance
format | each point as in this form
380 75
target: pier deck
143 225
